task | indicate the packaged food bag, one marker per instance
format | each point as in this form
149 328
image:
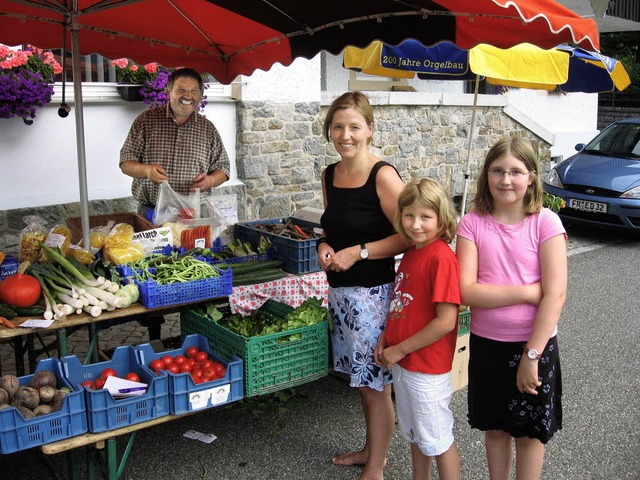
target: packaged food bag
31 237
58 237
119 247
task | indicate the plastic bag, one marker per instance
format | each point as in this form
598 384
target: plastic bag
30 238
98 235
172 206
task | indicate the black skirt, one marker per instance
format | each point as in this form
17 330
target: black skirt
494 400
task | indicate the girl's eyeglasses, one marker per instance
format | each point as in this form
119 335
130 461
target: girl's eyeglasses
499 173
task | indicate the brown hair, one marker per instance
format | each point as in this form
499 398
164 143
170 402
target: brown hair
429 194
523 151
355 100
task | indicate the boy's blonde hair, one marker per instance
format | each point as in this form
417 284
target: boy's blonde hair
429 194
523 151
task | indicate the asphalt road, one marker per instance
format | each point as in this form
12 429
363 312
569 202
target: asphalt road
274 437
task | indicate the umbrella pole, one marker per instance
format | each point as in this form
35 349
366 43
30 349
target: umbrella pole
82 165
467 173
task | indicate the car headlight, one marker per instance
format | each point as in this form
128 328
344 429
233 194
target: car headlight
553 179
633 193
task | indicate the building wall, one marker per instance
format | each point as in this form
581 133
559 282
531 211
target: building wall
273 127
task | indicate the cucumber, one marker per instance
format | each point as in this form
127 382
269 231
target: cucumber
7 311
250 278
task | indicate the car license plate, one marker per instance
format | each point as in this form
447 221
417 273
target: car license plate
587 205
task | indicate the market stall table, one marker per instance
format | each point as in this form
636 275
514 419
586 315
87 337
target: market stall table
22 338
292 290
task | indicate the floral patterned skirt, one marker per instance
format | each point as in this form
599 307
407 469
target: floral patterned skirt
494 400
359 316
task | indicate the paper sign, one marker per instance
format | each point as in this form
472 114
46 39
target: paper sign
33 323
215 395
121 387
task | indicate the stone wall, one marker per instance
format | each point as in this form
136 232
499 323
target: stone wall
281 154
608 114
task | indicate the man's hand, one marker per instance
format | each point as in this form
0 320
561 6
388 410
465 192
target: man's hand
201 182
156 174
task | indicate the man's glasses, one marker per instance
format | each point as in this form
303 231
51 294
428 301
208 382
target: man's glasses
499 173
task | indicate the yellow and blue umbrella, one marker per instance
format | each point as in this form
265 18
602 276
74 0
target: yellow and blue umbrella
522 66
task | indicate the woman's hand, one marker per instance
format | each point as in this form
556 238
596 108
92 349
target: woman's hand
325 256
344 259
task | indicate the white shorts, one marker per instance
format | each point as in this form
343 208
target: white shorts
422 402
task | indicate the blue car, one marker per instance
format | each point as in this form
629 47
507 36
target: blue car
601 183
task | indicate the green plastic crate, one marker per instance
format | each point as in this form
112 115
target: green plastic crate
271 362
464 322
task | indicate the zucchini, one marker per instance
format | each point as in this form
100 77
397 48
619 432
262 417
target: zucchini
7 311
250 278
253 266
35 311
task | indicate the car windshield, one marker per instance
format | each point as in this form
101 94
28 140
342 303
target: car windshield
619 139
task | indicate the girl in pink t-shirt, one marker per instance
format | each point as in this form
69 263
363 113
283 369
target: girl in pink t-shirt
513 275
419 339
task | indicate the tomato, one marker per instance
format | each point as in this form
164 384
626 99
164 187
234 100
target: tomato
98 383
191 352
208 374
187 213
87 383
167 360
191 361
179 359
201 356
196 373
206 364
173 368
134 377
185 368
220 369
156 365
108 372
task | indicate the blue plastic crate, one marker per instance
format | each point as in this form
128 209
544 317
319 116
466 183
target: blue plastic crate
106 413
153 295
16 433
298 256
184 394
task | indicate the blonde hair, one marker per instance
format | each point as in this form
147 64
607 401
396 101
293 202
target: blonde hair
523 151
429 194
356 100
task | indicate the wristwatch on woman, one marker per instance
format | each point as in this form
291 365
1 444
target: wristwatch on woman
364 253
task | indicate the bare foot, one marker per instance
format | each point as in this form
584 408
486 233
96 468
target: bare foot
351 458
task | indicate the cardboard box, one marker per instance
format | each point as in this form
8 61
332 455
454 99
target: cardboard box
460 367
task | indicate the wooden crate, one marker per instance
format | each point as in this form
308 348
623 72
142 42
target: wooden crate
460 367
139 224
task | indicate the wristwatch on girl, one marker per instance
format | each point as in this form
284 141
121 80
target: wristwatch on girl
364 253
532 353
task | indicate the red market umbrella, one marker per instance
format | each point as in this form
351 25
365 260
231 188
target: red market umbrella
230 37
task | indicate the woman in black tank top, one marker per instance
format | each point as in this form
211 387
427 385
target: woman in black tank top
357 252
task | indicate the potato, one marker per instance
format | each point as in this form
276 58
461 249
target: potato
42 379
27 397
11 384
4 397
46 394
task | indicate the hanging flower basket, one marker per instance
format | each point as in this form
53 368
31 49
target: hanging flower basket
25 81
130 93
